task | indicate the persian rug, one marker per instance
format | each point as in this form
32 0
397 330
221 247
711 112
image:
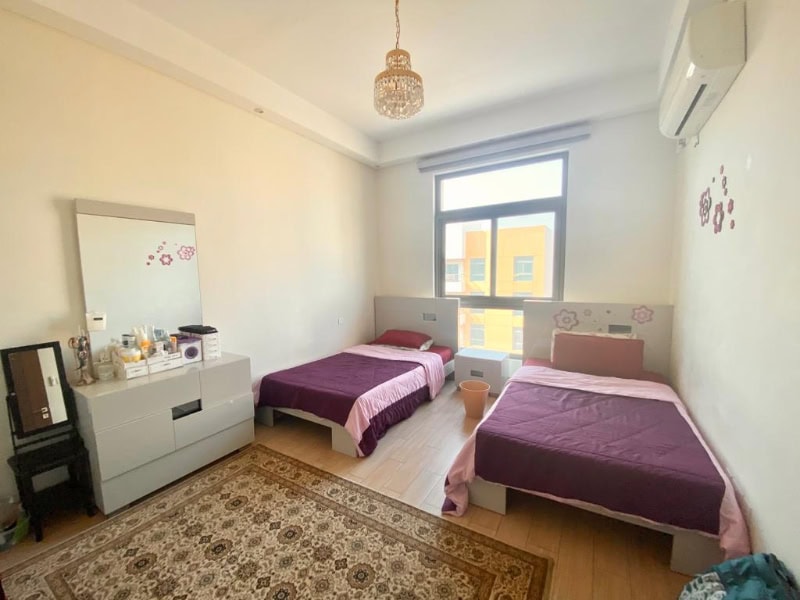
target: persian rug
264 525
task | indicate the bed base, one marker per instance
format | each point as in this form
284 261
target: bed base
340 438
692 552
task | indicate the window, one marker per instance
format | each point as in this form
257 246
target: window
505 225
476 335
523 268
477 269
516 339
453 272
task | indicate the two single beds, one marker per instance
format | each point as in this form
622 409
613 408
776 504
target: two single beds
619 446
361 392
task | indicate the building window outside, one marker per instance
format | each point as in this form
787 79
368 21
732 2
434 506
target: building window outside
516 339
477 335
477 269
453 274
500 223
523 268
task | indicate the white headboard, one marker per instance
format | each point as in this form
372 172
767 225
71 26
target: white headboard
651 323
438 317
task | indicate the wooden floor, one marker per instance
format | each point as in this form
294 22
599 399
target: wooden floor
595 557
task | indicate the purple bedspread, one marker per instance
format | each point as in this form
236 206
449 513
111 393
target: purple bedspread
329 387
630 455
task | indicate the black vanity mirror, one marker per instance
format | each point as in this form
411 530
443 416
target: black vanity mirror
38 391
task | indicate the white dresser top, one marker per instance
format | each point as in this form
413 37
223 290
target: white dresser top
102 388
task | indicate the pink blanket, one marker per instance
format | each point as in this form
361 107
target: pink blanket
430 373
734 538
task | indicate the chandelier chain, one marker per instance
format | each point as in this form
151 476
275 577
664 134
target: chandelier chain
397 23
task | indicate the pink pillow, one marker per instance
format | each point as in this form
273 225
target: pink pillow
610 357
403 339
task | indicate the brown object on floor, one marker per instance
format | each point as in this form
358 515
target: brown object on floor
264 525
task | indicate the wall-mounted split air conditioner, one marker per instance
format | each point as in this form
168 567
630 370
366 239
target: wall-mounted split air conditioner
710 53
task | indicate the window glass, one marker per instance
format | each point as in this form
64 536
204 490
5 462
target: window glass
477 269
516 339
525 255
477 335
532 181
468 244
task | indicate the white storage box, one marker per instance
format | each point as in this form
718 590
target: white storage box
157 364
211 344
486 365
129 370
191 349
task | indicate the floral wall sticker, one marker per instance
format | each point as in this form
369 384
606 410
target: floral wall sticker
566 319
642 314
721 210
165 258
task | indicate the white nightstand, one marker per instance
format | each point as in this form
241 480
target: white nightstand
486 365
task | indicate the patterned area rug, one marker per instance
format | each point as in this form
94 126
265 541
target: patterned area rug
264 525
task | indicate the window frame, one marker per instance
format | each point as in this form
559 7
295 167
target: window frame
556 205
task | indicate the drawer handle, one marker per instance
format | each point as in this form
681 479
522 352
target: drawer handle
475 373
186 409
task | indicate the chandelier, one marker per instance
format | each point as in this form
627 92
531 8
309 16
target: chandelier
398 89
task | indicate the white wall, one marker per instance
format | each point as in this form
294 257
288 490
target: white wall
285 227
736 338
619 218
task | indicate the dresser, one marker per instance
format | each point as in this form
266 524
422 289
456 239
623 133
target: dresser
147 432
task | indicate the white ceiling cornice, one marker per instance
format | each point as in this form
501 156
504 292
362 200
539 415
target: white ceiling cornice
602 100
123 27
126 29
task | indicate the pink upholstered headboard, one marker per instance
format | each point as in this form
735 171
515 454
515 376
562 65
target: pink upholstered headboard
651 323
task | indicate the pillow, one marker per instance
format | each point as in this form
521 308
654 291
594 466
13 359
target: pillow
598 355
405 339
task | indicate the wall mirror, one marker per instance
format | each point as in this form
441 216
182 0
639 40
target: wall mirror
38 391
139 267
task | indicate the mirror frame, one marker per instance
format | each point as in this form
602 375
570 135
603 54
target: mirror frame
137 213
12 399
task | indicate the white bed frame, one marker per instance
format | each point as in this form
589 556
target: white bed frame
438 317
692 551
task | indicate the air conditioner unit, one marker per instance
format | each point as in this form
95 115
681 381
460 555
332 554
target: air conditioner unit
710 54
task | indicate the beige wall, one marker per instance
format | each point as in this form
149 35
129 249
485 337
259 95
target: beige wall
285 227
619 218
737 328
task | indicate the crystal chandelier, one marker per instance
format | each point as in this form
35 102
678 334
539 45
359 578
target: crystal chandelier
398 89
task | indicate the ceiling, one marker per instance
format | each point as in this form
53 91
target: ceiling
473 54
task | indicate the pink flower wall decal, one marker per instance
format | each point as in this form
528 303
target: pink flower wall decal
166 259
186 252
719 217
566 319
705 209
730 206
642 314
733 224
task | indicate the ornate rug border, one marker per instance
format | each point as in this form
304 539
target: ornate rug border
539 583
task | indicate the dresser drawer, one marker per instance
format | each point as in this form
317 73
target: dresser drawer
120 449
144 397
222 380
213 419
